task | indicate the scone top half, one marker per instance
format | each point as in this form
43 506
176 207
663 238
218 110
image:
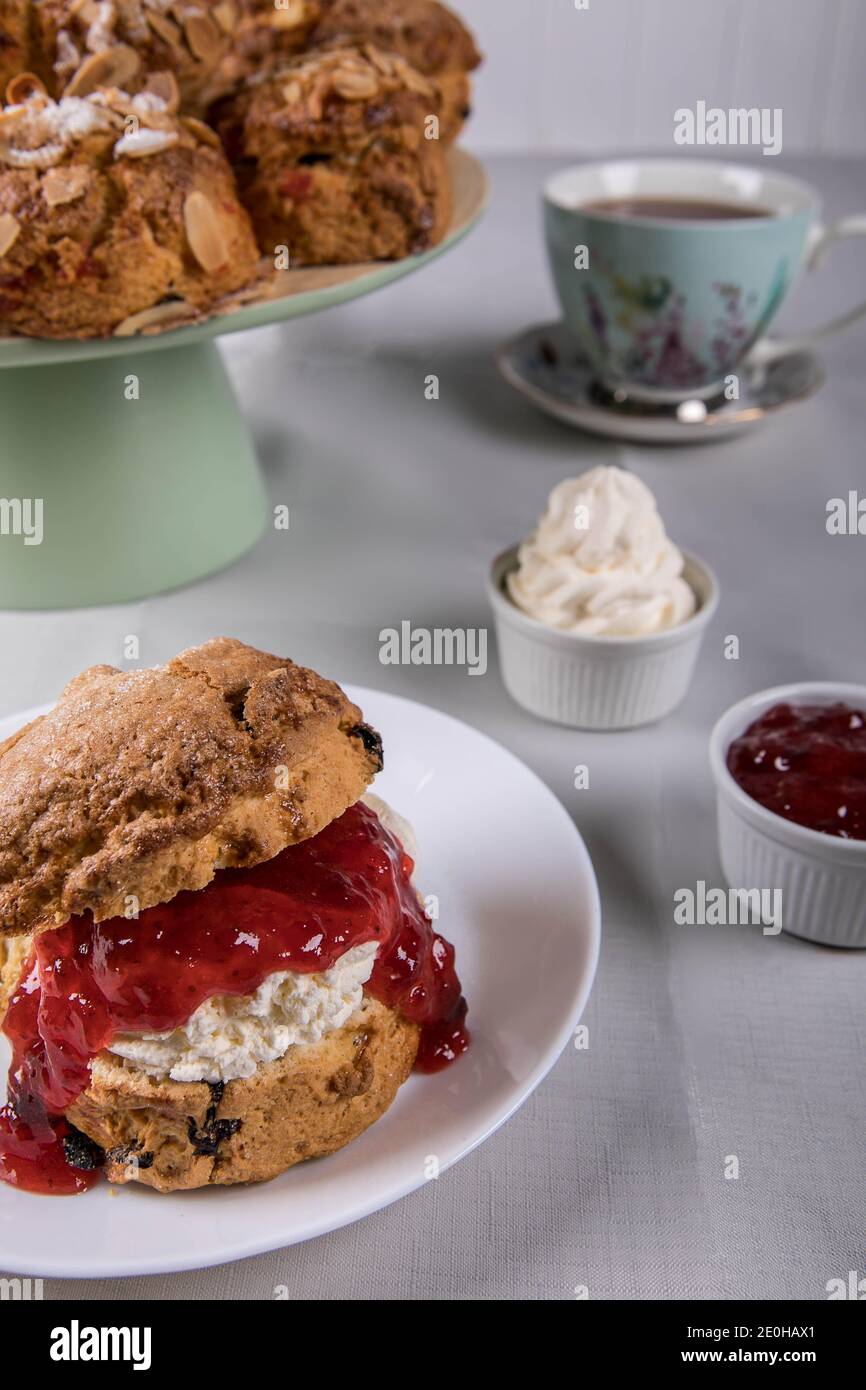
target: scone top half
139 785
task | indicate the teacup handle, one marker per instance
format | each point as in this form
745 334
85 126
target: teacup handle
769 349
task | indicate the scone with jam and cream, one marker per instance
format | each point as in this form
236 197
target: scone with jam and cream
215 962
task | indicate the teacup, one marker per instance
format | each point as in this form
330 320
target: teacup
670 271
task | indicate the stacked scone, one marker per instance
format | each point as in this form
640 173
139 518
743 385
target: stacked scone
213 962
111 205
157 156
312 178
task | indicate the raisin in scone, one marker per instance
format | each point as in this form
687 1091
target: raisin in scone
431 37
334 160
312 1101
111 204
214 961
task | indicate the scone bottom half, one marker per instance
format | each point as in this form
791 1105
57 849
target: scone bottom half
258 1007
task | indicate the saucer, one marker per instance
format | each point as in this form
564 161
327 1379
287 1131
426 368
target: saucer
546 365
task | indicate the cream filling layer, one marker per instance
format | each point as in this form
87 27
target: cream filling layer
228 1036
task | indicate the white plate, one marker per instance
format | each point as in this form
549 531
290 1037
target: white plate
518 898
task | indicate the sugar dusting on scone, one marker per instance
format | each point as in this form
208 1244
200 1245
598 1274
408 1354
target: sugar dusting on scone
144 783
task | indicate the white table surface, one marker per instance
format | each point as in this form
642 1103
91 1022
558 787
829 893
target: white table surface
705 1041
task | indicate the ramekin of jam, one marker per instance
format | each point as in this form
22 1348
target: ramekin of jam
790 772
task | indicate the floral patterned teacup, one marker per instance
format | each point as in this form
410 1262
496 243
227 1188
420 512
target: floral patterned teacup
667 307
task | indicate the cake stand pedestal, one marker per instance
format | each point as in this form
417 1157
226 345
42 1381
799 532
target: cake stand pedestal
122 494
126 467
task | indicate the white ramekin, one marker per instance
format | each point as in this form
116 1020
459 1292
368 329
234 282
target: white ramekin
597 682
822 879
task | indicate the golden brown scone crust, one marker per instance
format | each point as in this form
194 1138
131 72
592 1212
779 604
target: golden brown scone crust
174 1135
92 235
71 39
431 37
265 38
14 39
455 102
142 784
333 160
13 953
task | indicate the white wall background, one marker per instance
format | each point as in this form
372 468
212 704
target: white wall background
610 78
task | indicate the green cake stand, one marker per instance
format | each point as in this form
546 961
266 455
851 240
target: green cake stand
126 467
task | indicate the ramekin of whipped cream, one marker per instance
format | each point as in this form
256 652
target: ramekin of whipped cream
599 616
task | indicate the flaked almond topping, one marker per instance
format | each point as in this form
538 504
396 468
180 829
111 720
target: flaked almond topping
226 16
100 18
315 101
160 315
64 185
411 78
10 229
203 37
154 118
166 28
293 92
138 144
112 68
380 59
355 84
204 232
23 86
118 104
288 14
131 16
201 131
164 85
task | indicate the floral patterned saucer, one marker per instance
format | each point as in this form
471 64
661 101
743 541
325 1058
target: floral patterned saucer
546 365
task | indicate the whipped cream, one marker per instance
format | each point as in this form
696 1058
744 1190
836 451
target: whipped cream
228 1036
600 563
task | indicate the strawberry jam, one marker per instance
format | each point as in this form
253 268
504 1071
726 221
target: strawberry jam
808 764
86 982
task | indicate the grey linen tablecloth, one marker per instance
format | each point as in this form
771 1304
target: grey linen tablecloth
704 1041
